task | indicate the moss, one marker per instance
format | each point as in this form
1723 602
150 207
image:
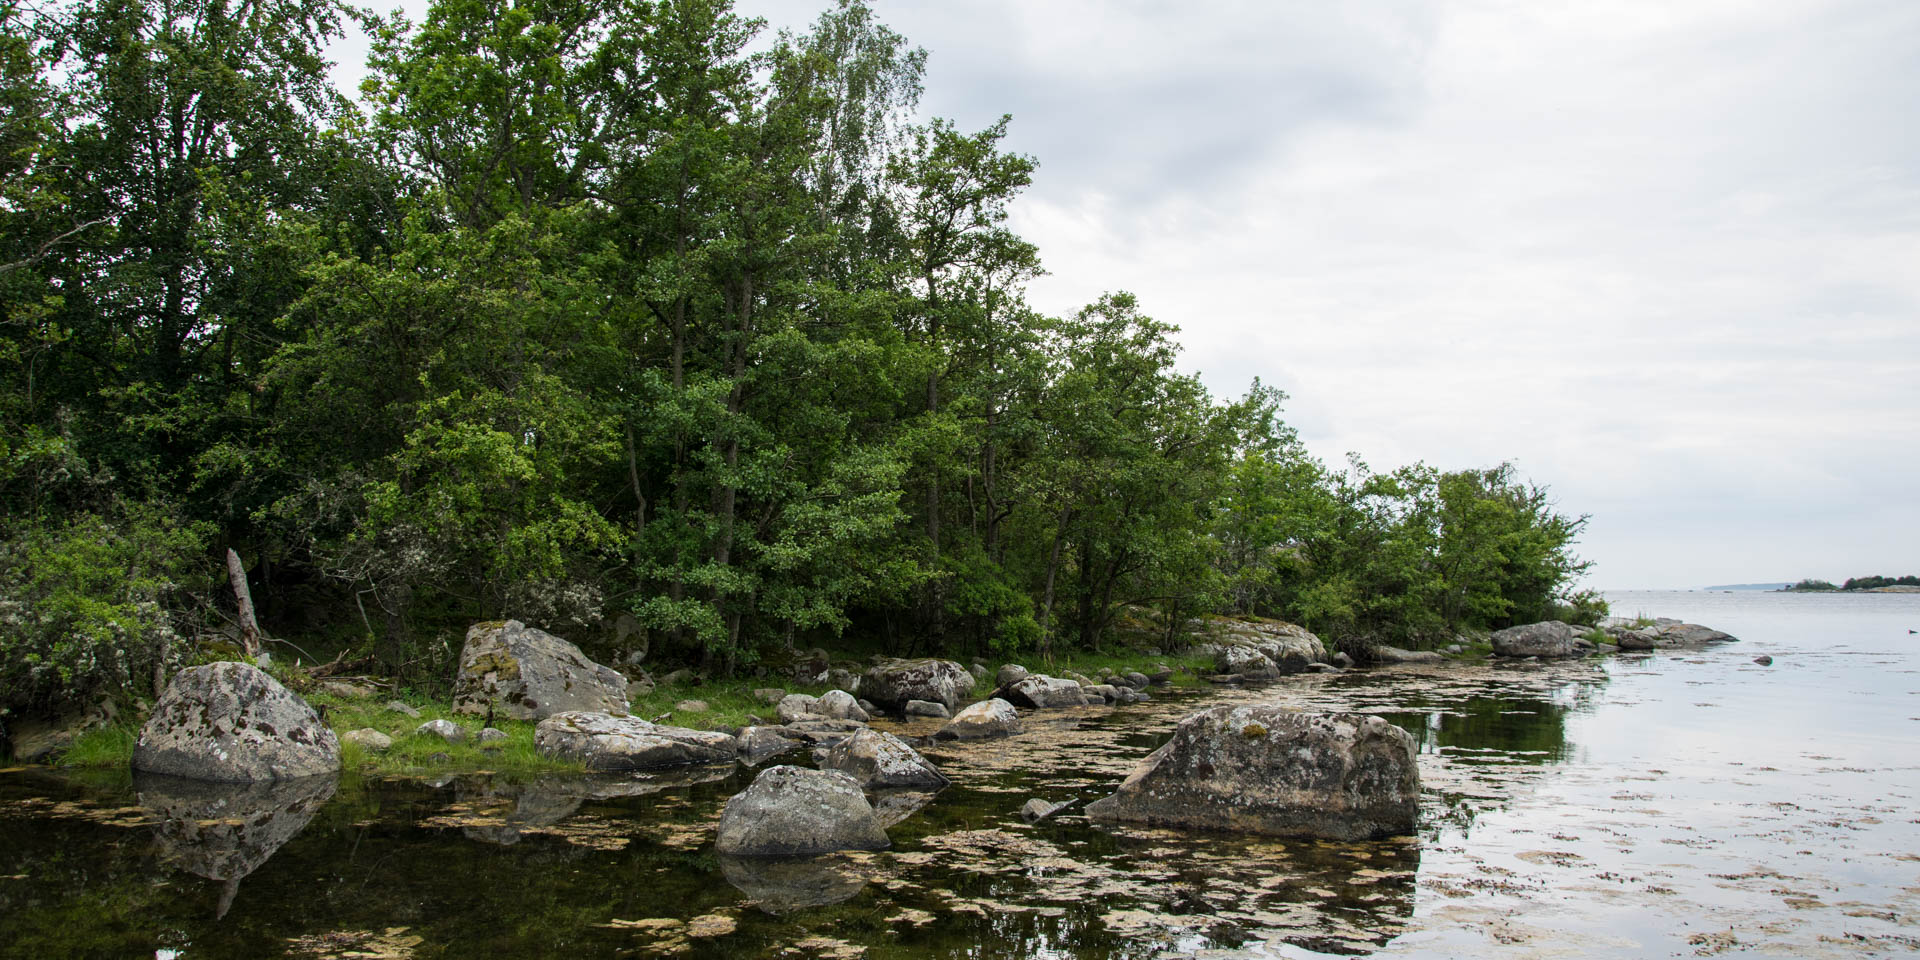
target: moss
1253 731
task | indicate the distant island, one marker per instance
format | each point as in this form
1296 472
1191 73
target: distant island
1873 584
1781 585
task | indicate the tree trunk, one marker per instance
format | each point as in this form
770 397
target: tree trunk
249 627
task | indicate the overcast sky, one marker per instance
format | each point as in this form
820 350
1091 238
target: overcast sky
1664 256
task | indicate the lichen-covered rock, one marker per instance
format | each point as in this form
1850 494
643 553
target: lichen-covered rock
1010 674
1039 692
793 811
840 705
875 759
367 738
1549 638
444 729
823 731
797 706
926 708
1386 654
988 718
491 735
1287 647
1265 769
1689 634
759 743
606 742
1104 692
233 722
841 678
513 670
892 683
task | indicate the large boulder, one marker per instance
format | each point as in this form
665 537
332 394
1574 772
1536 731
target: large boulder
988 718
1288 647
512 670
606 742
876 760
1010 674
1039 692
840 705
793 811
1247 661
1669 635
797 706
233 722
1266 769
1549 638
892 683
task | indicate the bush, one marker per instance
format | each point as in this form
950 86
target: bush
85 605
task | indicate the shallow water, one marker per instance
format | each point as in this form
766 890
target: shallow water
1669 804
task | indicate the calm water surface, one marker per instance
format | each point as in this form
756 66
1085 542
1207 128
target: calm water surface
1672 804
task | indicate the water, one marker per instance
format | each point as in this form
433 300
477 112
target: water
1672 804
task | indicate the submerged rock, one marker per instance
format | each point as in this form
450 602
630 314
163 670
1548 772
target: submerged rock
875 759
1266 769
1549 638
783 886
759 743
1386 654
512 670
233 722
1763 660
988 718
606 742
793 811
892 683
1036 809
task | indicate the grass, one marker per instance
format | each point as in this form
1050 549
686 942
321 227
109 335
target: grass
730 703
413 753
102 747
1187 671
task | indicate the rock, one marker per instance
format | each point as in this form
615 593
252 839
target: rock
1009 675
875 759
1162 674
927 708
38 740
368 739
691 706
606 742
1262 768
1079 678
988 718
1647 638
1037 809
1136 679
979 671
892 683
797 706
1547 639
1385 654
1690 634
793 811
870 708
840 705
1288 647
812 667
678 678
225 831
1039 692
1225 678
1246 661
892 806
1322 668
347 689
842 679
444 729
770 695
758 743
1455 648
1343 661
1763 660
1107 692
824 731
512 670
490 735
401 708
233 722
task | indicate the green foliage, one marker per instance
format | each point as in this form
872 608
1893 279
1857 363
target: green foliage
107 747
1869 583
1812 585
589 312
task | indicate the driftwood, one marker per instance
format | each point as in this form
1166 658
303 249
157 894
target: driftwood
249 627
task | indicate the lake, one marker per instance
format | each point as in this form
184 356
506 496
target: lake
1677 803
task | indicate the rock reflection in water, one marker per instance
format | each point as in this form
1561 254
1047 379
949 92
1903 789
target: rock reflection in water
225 831
893 806
503 812
782 885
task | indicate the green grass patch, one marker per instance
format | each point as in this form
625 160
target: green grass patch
1187 671
102 747
413 753
730 703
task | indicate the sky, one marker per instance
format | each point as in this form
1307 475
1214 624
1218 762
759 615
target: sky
1663 256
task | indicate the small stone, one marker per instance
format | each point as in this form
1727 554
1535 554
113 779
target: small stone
1010 674
1037 810
1342 660
347 689
490 735
691 706
368 739
1136 679
769 695
1763 660
988 718
444 729
398 707
927 708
